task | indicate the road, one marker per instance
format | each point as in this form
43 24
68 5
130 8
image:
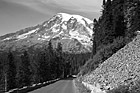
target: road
62 86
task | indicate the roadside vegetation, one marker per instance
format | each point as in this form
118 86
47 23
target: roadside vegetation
126 89
102 55
116 27
81 88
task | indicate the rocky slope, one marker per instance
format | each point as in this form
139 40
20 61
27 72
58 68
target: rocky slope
73 31
122 68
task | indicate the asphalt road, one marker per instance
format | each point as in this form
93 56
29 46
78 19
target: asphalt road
62 86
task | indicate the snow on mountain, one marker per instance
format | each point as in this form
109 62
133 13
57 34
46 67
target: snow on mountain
80 19
6 39
61 27
66 17
22 36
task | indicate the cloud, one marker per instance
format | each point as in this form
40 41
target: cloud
53 6
80 5
14 17
88 8
17 14
33 4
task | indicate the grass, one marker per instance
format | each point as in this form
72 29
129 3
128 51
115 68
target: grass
81 88
102 55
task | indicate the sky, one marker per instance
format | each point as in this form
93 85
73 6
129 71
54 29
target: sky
19 14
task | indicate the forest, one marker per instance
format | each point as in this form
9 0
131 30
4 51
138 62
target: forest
28 67
116 27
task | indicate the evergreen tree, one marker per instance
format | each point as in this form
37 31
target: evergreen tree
132 18
59 62
94 38
1 75
119 25
97 36
108 33
51 59
24 72
59 49
4 71
11 81
44 67
129 9
50 47
137 16
104 2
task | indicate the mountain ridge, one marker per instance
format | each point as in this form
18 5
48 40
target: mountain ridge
61 27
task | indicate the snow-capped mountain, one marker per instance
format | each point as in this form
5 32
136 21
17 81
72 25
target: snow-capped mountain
73 31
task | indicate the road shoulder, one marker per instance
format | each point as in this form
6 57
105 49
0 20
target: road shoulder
75 87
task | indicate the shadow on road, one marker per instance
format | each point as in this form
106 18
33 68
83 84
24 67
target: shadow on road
29 89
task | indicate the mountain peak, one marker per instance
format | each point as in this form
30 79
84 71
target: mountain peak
78 17
71 30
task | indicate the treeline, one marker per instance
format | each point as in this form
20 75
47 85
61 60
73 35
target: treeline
120 18
117 26
19 69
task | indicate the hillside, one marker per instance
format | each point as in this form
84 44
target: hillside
109 67
122 68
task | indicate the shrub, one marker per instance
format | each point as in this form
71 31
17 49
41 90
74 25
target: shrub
84 70
130 88
136 87
81 88
127 89
120 89
103 54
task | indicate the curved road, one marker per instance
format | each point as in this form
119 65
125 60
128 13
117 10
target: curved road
62 86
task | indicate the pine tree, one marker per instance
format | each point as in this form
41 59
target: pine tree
94 38
26 64
50 47
137 16
51 59
50 50
11 81
132 16
119 24
3 72
24 72
43 67
108 23
104 2
59 49
1 75
61 66
129 8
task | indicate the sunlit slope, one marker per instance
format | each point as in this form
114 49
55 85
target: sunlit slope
122 68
